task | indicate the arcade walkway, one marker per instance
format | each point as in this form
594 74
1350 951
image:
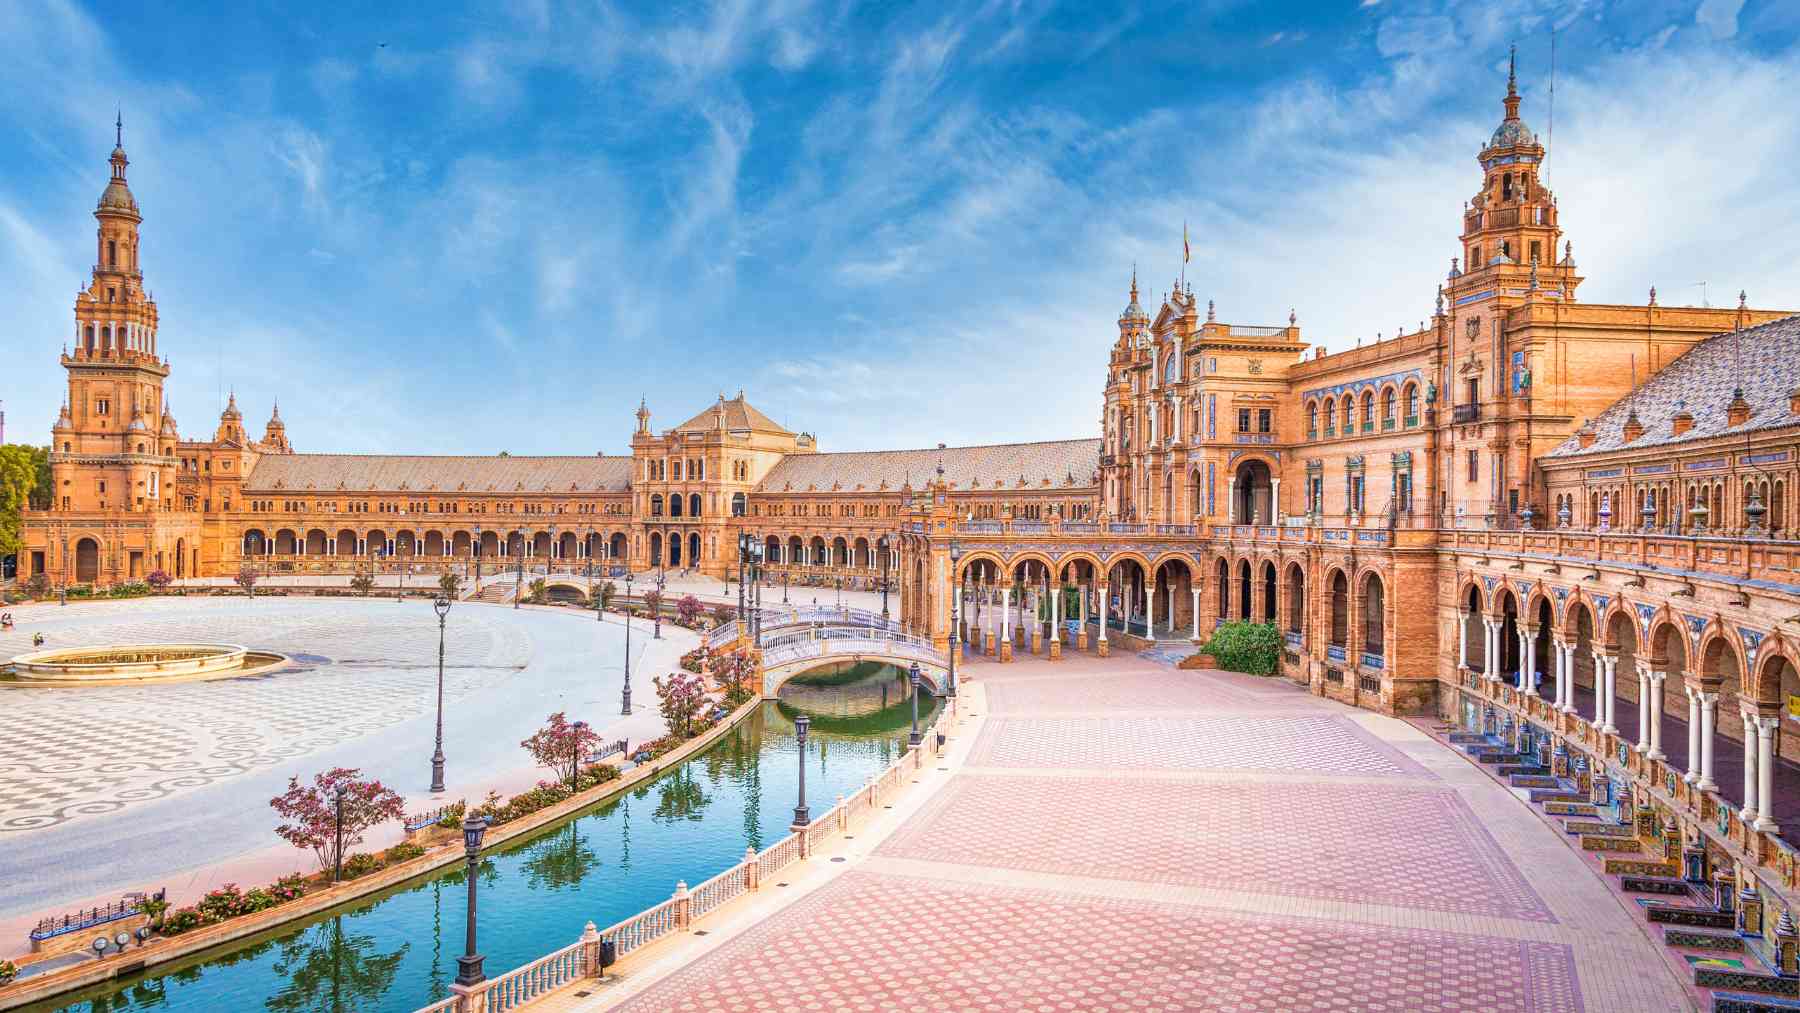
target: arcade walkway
1124 835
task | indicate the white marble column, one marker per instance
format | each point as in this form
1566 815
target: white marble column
1462 638
1056 613
1709 720
1103 607
1150 611
1656 714
1693 729
1765 772
1610 725
1528 660
1750 780
1490 660
1196 614
1643 742
1006 614
1559 651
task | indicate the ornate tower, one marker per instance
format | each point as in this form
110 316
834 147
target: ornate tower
275 439
110 453
1511 224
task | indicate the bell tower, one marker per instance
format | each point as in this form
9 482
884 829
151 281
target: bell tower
110 453
1510 230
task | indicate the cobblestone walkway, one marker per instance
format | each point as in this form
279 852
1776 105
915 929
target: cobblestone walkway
1125 837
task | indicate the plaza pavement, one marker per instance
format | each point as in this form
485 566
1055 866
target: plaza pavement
1119 834
109 789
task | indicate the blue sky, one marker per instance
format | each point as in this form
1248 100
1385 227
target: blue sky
462 230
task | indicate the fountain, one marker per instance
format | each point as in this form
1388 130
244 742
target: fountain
131 664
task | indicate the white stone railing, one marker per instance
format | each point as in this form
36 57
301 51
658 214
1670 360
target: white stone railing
518 988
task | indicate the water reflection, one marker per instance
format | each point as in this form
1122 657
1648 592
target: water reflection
395 952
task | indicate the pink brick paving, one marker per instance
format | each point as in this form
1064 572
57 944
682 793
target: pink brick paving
1233 835
1316 744
1156 690
883 942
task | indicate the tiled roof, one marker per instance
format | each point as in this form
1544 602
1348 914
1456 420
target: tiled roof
1763 360
418 473
739 415
1066 463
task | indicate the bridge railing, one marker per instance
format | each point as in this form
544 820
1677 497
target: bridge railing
519 988
777 620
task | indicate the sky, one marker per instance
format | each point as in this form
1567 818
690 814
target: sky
468 229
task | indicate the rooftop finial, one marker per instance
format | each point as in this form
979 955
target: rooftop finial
1512 84
1209 311
119 128
1134 281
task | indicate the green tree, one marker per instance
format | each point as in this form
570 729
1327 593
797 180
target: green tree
1246 647
24 484
449 583
362 583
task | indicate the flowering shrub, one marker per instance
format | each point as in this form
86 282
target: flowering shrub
183 919
453 815
222 903
690 662
404 852
360 864
680 697
546 793
8 971
687 611
313 814
561 744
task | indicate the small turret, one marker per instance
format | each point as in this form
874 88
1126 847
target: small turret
275 439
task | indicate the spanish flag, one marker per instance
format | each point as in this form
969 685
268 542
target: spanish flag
1184 244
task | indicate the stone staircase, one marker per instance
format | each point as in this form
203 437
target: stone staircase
495 589
1701 927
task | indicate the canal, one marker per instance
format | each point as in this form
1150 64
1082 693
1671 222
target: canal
396 951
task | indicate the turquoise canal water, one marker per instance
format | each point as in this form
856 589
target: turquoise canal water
396 951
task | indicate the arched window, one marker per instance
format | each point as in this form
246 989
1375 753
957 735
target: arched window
656 503
737 504
693 504
675 505
1388 402
1349 408
1312 420
1172 368
1412 405
1368 410
112 253
1373 612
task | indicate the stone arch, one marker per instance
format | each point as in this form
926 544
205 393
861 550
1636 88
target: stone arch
693 549
87 560
255 543
1244 573
286 542
1374 613
1388 404
616 546
1471 596
316 541
656 548
1777 675
1668 646
1338 584
346 542
1271 589
969 559
1066 565
1720 663
1296 598
1252 485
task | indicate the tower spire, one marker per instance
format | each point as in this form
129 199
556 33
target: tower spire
1512 83
119 127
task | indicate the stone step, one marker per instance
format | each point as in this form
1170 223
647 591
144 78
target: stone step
1692 939
1496 756
1599 827
1740 1002
1584 809
1693 918
1539 795
1523 770
1603 842
1534 780
1655 884
1467 738
1749 982
1642 867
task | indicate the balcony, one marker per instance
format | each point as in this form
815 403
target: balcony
1466 413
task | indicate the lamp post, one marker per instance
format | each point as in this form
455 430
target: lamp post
955 603
882 544
468 966
913 676
475 550
519 573
625 704
442 606
743 564
784 586
801 816
656 613
756 559
337 830
840 591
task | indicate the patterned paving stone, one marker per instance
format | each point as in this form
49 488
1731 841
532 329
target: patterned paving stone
1260 838
1319 744
1154 690
82 752
882 942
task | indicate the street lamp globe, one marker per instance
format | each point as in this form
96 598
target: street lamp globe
441 605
